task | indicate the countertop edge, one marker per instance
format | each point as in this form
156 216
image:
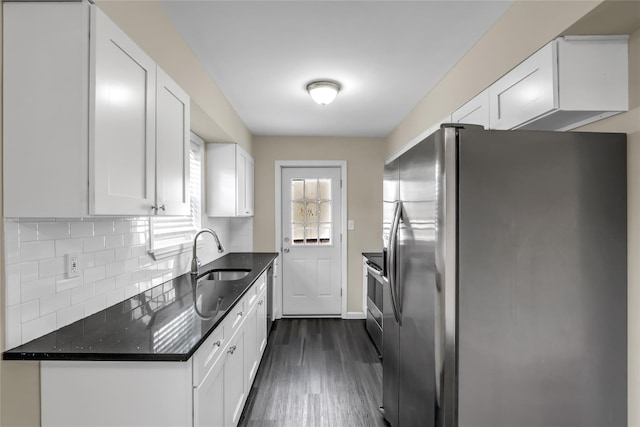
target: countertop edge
138 357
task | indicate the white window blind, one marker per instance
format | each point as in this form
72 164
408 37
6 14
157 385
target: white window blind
169 234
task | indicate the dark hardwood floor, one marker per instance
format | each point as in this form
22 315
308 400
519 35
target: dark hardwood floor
317 373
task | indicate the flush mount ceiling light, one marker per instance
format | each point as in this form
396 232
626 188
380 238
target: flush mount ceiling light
323 92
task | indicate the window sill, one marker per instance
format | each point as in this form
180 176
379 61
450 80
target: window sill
172 251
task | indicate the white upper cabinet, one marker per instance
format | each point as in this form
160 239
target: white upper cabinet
172 147
230 172
474 112
570 82
92 126
122 122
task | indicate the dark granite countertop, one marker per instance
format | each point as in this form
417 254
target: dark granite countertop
161 324
374 257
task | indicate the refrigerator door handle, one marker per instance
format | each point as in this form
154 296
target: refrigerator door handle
391 261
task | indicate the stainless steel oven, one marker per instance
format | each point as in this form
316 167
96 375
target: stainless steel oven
374 304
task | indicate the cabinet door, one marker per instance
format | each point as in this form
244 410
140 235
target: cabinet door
261 318
234 391
474 112
244 183
208 398
172 147
121 122
251 347
249 183
526 92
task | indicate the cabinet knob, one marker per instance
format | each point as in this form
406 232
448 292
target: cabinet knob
217 343
260 302
157 208
240 314
231 349
163 208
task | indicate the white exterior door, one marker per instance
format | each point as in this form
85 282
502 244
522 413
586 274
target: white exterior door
311 241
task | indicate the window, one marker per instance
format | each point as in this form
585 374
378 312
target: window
311 211
173 234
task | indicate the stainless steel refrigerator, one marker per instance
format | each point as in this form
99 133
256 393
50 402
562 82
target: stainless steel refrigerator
506 280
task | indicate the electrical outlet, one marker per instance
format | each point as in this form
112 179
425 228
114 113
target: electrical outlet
73 265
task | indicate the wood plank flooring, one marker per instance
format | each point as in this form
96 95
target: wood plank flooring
317 373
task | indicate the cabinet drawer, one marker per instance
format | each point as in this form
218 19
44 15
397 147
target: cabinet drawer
207 355
250 298
234 319
261 283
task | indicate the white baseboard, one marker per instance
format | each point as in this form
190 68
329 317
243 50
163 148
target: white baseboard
355 315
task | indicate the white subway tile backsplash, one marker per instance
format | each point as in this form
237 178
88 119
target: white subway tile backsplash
69 315
32 251
64 284
36 289
104 228
66 246
51 267
28 271
87 260
131 290
28 231
82 229
114 268
116 241
104 286
12 252
38 327
95 304
55 303
123 227
30 310
123 279
114 265
13 336
94 274
12 290
93 244
131 264
82 294
104 257
123 253
115 296
53 230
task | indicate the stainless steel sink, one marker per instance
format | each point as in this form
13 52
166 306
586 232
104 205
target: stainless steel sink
225 274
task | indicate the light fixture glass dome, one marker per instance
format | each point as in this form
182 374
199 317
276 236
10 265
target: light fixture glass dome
323 92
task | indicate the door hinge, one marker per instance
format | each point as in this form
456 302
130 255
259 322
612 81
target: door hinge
340 291
341 183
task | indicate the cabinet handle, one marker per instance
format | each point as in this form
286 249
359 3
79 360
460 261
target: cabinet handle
217 343
157 208
260 302
231 349
240 314
163 208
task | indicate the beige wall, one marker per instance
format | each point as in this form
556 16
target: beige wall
365 163
515 37
524 28
212 117
630 123
19 381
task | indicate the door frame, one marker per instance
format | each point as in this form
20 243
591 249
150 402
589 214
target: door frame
342 164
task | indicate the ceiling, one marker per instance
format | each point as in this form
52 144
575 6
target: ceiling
387 55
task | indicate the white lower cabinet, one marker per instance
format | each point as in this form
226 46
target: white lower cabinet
235 392
208 390
208 398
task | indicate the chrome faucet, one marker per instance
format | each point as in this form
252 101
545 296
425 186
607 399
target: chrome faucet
195 262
